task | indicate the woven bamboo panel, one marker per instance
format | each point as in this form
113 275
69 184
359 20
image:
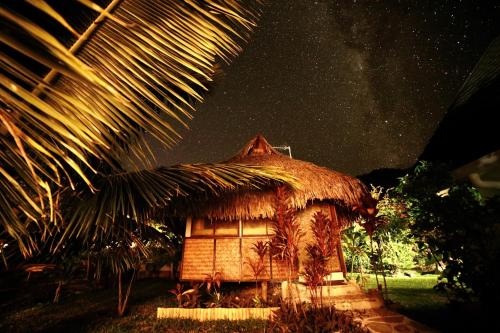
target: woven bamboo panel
280 271
216 313
197 258
227 258
249 256
333 264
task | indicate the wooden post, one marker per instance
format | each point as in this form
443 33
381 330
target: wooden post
263 285
337 227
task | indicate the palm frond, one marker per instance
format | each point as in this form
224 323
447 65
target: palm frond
138 68
486 71
128 198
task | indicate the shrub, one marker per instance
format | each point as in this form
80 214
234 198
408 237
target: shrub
313 319
460 229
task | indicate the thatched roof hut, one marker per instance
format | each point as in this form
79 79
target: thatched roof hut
247 211
316 184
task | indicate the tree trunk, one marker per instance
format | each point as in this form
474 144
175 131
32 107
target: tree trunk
57 293
374 263
122 302
383 270
87 274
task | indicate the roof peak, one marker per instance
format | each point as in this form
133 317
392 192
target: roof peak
256 147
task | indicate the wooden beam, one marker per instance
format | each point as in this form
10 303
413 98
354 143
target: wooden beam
337 227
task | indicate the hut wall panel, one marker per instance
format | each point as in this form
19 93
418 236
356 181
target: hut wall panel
227 258
305 217
197 258
280 271
249 255
333 264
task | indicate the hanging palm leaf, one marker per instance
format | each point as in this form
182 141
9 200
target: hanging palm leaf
64 111
134 196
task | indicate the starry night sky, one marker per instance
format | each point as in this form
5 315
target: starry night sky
350 85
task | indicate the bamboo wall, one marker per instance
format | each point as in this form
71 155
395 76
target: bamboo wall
232 255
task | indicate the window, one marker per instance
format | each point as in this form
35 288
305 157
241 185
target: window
202 227
227 228
255 227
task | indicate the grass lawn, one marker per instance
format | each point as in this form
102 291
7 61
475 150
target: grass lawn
416 298
94 311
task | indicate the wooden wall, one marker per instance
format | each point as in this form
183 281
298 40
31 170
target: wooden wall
232 255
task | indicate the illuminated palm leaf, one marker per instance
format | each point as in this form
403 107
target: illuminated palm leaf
133 196
139 70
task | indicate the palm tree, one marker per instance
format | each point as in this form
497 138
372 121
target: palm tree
74 112
72 117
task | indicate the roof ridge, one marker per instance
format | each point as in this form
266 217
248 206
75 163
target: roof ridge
257 146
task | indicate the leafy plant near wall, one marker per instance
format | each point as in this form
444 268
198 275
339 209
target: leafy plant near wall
258 266
287 235
189 298
356 250
309 318
287 232
315 272
318 255
73 119
324 234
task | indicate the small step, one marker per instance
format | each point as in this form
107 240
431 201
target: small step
348 296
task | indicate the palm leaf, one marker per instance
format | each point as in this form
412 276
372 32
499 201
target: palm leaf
486 71
139 70
126 199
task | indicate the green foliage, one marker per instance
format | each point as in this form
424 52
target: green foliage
398 256
459 228
398 249
58 134
356 248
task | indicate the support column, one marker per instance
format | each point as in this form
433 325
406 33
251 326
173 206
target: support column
337 228
263 289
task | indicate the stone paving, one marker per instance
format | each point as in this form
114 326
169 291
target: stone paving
386 321
368 308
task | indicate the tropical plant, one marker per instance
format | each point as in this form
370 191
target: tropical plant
356 249
314 319
324 234
287 234
74 119
178 293
318 254
67 134
258 266
213 281
315 271
459 227
187 298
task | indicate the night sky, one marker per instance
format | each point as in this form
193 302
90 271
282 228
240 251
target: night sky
351 85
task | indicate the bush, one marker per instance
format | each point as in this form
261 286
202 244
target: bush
309 318
460 229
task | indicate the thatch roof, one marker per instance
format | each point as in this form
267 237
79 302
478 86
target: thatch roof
316 184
